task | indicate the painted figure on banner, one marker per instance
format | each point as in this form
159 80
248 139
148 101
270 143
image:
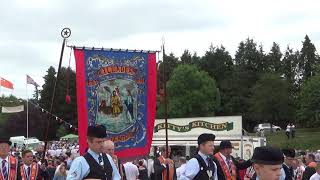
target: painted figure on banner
115 104
116 108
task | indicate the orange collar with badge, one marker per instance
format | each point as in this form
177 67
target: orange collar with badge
33 173
13 166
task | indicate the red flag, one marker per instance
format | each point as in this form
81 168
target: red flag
5 83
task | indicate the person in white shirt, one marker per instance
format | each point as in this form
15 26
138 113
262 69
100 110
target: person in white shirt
182 168
316 176
150 168
131 171
202 165
292 130
288 131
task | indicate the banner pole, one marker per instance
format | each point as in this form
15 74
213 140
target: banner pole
65 33
0 86
165 105
27 109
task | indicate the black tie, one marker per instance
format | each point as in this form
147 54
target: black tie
211 166
28 171
291 172
100 161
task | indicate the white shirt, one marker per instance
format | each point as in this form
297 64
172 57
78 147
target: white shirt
288 128
316 176
181 170
80 168
132 171
193 168
150 167
7 165
26 170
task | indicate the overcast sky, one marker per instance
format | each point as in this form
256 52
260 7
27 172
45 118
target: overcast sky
30 38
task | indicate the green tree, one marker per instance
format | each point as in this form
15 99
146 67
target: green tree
309 103
47 88
274 59
217 62
171 62
191 93
67 112
62 131
249 64
308 59
271 101
186 57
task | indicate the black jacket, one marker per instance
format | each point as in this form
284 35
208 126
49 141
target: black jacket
309 171
159 168
41 174
239 166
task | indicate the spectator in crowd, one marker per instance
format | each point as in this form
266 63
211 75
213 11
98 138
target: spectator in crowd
163 164
293 130
108 148
131 171
316 176
287 172
288 129
51 169
143 171
61 173
150 168
310 170
317 156
181 170
297 169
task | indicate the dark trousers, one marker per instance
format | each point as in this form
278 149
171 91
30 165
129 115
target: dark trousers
288 134
293 134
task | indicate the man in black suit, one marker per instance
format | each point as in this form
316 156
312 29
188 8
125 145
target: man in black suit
29 169
227 166
164 166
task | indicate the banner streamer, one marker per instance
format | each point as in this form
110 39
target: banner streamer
118 90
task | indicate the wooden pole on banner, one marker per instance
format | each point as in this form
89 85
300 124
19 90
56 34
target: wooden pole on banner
165 104
65 33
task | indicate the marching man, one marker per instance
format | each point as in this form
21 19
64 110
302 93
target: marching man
8 163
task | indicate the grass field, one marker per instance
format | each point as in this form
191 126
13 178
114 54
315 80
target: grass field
305 139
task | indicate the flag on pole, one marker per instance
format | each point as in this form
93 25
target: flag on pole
5 83
31 81
12 109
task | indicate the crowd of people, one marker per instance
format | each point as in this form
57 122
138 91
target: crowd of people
62 161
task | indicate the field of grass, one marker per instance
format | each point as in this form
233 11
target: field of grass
305 139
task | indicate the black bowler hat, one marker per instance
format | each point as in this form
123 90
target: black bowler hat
206 137
225 144
97 131
289 152
267 155
5 140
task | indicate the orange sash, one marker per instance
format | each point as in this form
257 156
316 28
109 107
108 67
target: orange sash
171 169
225 168
33 172
13 166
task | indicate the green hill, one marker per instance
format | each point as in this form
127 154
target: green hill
305 139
